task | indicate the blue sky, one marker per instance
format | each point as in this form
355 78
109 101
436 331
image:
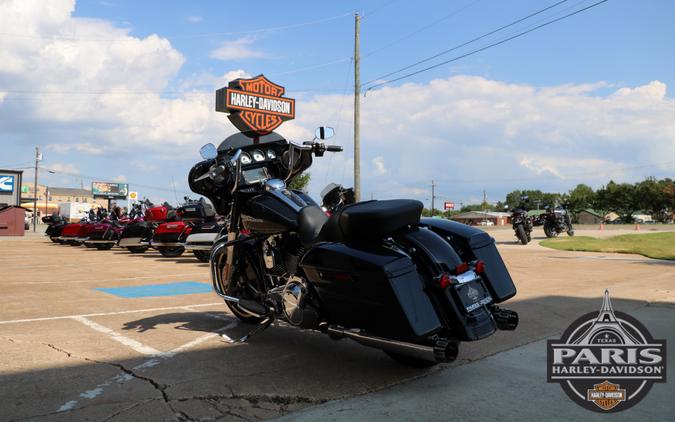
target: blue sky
582 100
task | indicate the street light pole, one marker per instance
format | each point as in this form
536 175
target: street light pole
38 157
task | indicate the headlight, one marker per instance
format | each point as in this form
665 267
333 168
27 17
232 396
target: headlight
258 155
245 158
271 155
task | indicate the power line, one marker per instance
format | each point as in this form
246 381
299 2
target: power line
422 29
470 41
478 50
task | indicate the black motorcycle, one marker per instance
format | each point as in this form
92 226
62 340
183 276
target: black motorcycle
522 225
557 220
55 223
372 271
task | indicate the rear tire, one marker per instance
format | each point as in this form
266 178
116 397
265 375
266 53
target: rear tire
172 252
202 256
410 361
137 249
521 234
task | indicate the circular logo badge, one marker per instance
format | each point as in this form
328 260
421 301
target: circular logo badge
606 361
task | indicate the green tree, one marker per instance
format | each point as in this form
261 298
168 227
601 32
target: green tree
300 181
581 198
617 197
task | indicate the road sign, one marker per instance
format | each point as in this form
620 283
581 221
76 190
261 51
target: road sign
449 206
133 196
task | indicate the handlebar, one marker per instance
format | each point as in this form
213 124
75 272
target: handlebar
334 148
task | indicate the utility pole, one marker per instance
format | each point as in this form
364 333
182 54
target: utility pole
38 158
433 196
357 108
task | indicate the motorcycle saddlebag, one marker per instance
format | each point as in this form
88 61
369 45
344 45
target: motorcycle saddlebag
471 244
198 211
170 232
156 214
377 290
71 230
140 229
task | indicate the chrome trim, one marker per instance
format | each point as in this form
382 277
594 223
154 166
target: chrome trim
156 245
404 348
198 247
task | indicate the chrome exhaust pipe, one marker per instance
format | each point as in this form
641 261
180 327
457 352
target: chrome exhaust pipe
444 351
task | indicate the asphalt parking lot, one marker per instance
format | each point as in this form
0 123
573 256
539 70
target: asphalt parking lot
154 349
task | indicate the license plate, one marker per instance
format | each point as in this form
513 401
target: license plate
473 295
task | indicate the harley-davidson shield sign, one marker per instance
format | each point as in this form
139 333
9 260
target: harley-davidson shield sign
255 106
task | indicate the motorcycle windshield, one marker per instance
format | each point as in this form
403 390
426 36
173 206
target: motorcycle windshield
239 140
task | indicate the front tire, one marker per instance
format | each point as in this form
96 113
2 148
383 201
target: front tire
549 231
172 252
521 234
202 256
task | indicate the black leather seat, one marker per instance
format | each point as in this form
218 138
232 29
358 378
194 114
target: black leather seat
370 221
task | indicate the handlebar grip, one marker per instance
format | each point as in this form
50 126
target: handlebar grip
334 148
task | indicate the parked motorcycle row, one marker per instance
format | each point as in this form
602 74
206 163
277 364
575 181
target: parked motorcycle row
191 227
555 220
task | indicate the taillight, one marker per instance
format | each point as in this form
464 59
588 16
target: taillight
461 268
480 267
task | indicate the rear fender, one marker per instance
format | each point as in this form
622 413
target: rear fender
436 254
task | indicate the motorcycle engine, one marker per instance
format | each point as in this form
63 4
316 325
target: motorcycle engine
296 305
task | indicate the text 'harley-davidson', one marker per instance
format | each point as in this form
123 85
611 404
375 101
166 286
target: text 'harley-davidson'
372 271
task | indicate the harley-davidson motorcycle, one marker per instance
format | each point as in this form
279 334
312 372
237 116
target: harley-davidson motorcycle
204 230
55 224
522 222
372 271
137 235
557 220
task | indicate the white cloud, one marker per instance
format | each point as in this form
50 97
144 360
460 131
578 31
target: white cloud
120 179
194 19
236 50
378 164
96 90
85 148
63 168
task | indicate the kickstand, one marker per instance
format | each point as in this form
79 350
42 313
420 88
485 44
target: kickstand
261 327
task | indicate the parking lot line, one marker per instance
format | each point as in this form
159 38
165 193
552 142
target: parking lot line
129 342
132 311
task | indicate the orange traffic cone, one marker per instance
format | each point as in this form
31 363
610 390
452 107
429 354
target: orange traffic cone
637 227
602 227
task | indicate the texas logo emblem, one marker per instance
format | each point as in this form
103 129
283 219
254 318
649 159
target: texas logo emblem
255 106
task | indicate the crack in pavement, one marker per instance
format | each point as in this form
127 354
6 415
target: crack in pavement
161 388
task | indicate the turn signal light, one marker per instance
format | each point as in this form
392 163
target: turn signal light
444 280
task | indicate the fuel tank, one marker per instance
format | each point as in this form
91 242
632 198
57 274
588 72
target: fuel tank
274 211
